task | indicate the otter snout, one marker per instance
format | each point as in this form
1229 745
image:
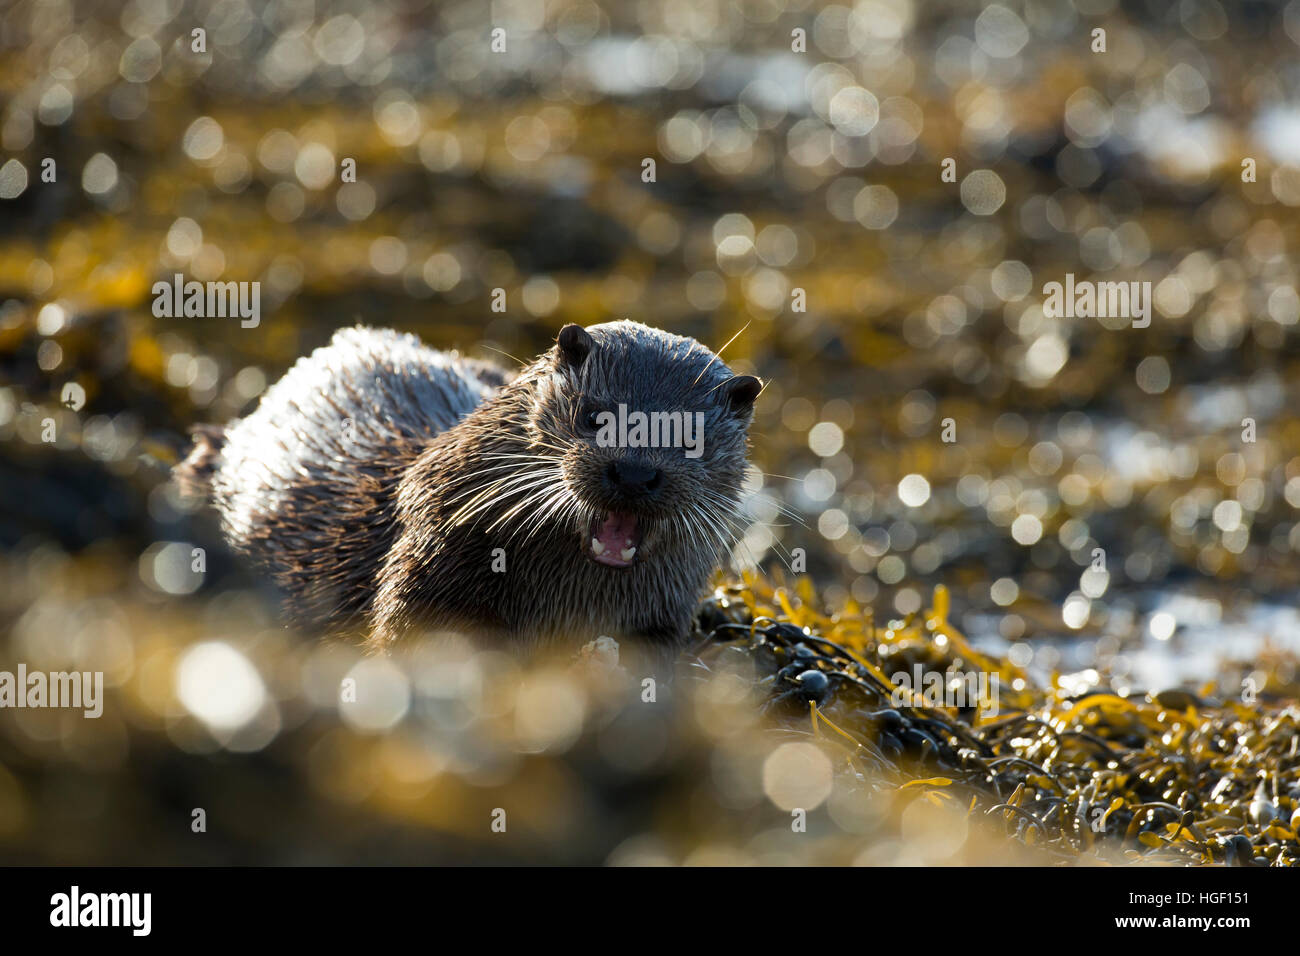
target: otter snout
631 479
615 537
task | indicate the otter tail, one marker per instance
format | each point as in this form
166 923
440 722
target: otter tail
194 474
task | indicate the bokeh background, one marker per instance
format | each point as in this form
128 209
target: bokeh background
776 171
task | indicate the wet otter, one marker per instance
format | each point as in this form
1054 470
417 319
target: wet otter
383 482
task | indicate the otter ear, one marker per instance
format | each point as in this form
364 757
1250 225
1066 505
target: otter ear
575 344
740 393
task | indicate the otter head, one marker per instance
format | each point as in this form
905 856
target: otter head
652 431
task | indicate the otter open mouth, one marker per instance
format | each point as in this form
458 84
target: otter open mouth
614 540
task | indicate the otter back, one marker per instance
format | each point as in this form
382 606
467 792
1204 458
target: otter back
305 483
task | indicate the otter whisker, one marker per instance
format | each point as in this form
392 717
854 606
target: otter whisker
780 508
717 355
512 469
543 493
507 486
714 523
743 510
493 348
776 505
702 523
492 488
497 493
557 506
724 506
575 514
516 456
737 533
730 542
557 501
693 527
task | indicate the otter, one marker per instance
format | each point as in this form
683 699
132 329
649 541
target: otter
385 485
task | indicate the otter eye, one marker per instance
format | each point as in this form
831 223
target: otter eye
590 418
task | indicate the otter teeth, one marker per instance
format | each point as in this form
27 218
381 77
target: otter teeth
626 553
597 546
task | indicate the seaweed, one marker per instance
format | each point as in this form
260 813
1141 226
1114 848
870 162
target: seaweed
1167 777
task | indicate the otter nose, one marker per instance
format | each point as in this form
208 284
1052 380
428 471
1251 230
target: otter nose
632 478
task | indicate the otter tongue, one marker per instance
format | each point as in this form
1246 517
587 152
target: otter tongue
617 532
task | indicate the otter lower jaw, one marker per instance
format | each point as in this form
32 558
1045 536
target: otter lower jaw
614 540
